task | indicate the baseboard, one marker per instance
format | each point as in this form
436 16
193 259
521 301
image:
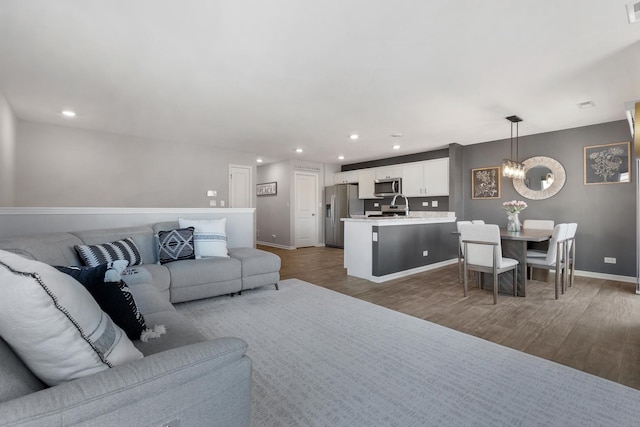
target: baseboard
605 276
275 245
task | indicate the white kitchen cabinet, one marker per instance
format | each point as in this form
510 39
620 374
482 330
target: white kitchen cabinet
387 172
366 179
350 177
426 179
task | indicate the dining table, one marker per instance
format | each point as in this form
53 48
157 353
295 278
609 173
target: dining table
514 245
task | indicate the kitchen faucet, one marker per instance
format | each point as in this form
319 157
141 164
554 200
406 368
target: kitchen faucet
406 203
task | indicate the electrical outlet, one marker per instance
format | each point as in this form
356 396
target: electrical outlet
212 203
375 236
434 203
222 203
425 253
425 203
376 205
609 260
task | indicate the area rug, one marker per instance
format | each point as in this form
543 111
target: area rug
321 358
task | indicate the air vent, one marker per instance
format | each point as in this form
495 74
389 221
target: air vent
633 11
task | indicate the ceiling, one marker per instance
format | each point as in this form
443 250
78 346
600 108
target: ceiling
267 77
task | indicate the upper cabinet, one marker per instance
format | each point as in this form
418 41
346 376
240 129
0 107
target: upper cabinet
387 172
350 177
426 179
366 179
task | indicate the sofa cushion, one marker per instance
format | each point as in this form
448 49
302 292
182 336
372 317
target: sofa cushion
17 379
209 237
175 245
51 248
94 255
54 325
200 271
256 261
113 297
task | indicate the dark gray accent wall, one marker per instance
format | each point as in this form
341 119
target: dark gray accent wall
605 213
400 247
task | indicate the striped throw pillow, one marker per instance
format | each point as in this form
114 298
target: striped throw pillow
209 237
94 255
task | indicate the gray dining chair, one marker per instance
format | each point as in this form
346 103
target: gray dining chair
460 249
554 258
483 253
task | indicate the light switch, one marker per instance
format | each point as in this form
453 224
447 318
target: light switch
212 193
425 203
212 203
434 203
376 205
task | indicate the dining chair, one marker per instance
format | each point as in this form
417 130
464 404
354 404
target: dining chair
538 224
570 251
460 249
554 257
483 254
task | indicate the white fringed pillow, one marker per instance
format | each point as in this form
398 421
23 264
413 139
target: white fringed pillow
209 236
54 325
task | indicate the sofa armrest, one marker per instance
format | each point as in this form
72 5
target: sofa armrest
207 383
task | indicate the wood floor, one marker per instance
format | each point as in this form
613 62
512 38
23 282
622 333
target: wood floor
594 327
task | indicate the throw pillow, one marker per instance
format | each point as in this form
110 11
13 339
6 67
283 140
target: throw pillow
174 245
209 236
54 324
112 294
94 255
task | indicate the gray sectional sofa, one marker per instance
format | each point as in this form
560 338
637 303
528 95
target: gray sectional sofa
184 379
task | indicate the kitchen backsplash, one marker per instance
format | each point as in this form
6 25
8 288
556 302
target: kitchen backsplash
415 203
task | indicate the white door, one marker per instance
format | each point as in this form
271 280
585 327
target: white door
240 186
306 209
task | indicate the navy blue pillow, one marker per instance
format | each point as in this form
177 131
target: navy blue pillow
114 298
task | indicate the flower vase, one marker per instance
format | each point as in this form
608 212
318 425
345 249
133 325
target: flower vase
514 222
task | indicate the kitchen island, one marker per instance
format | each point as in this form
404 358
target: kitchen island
386 248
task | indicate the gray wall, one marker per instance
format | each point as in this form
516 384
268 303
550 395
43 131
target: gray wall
273 212
605 213
60 166
7 153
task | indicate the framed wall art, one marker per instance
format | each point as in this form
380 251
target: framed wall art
607 163
267 189
485 183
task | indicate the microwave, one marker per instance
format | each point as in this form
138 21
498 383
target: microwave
387 187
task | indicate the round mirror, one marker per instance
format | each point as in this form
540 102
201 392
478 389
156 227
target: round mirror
544 177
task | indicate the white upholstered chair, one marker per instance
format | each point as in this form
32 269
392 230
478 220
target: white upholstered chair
477 221
460 249
483 253
570 251
538 224
554 257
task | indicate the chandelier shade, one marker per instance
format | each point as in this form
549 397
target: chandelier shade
511 167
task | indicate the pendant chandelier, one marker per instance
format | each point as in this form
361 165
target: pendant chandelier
513 168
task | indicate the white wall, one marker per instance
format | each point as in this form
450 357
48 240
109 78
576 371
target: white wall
60 166
7 153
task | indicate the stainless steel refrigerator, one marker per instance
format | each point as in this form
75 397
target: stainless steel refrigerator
341 201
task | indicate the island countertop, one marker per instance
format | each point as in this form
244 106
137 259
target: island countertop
394 220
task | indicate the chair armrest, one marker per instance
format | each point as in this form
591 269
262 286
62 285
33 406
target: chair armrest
198 384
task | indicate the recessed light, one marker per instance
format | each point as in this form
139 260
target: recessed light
68 113
354 136
396 147
586 104
341 157
298 150
259 160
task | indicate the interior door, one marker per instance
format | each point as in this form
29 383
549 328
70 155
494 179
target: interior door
306 209
240 186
